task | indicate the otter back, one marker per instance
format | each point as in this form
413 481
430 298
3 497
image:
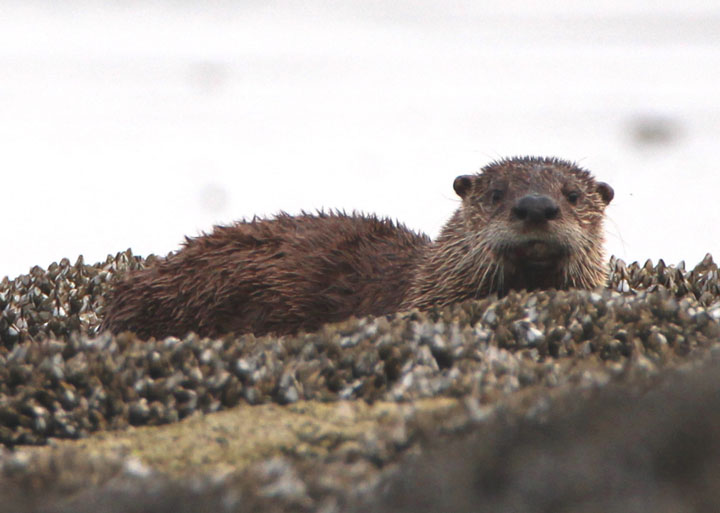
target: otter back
279 275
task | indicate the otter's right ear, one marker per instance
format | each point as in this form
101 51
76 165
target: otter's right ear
606 192
462 185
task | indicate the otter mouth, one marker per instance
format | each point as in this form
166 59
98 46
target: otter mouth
537 253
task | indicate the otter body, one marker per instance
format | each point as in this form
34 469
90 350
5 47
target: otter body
524 223
280 275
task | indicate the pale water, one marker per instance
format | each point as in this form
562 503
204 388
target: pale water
131 123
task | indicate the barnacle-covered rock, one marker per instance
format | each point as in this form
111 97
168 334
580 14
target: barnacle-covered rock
61 379
63 299
702 282
64 383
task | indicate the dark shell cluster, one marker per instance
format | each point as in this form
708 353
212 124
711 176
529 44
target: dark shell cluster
702 282
59 378
63 299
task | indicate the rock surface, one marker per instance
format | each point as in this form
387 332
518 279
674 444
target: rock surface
334 420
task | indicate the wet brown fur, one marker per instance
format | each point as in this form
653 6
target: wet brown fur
474 254
288 274
278 275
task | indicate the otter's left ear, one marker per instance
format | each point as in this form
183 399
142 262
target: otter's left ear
606 192
462 185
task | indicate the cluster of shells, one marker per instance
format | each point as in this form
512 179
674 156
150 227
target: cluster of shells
64 299
702 281
59 378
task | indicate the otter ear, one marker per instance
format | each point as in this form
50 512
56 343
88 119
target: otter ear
606 192
462 185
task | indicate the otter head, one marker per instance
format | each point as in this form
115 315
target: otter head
540 219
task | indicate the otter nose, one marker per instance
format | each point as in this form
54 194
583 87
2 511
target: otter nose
535 208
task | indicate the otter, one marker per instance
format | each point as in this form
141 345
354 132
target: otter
523 223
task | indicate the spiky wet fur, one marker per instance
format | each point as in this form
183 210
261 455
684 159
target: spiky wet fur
279 275
470 257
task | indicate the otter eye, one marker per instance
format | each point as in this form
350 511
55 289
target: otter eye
573 197
496 195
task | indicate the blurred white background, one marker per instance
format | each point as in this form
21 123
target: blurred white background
134 123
